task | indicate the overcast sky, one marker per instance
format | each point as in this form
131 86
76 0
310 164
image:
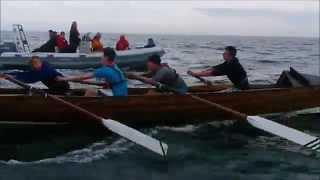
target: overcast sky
255 18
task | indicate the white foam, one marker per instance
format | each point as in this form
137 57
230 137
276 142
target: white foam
185 129
218 124
91 153
94 152
265 142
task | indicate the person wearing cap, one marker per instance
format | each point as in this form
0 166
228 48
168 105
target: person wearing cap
163 74
231 68
110 73
44 72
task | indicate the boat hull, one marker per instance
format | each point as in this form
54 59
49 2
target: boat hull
127 60
167 109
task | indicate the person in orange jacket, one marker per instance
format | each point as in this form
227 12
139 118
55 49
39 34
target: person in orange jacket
96 45
122 44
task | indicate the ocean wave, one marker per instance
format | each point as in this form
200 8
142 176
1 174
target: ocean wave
175 58
267 61
192 128
247 47
264 53
187 45
96 151
265 142
188 52
307 44
186 129
206 47
91 153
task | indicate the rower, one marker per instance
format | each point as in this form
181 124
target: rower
44 72
163 74
110 73
231 68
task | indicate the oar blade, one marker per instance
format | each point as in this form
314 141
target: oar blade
285 132
137 137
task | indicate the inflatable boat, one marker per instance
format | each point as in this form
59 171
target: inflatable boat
16 55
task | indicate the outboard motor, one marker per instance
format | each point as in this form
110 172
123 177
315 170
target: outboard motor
7 47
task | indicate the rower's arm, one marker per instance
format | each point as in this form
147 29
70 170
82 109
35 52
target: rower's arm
208 72
147 80
142 78
76 78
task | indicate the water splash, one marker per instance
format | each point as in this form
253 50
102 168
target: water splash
91 153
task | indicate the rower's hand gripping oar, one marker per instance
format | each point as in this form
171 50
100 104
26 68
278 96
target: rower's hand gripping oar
114 126
208 83
272 127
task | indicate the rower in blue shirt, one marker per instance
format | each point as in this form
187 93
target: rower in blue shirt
110 73
44 72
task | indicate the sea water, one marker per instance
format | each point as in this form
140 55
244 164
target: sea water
216 150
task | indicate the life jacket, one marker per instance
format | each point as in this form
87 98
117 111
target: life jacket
61 42
122 45
96 45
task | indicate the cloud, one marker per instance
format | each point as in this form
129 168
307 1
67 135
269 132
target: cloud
300 18
267 21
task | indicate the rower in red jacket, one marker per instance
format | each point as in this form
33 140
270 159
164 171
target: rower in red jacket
122 44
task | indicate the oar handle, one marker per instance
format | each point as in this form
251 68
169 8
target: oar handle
208 83
91 83
55 98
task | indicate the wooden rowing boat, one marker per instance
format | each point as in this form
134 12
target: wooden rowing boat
166 108
19 107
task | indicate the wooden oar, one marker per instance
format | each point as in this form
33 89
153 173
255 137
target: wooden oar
208 83
114 126
91 83
272 127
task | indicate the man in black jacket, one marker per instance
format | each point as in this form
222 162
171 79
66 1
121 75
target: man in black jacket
231 68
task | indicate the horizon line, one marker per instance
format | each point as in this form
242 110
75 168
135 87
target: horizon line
185 34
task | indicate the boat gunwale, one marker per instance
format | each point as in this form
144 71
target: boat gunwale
222 92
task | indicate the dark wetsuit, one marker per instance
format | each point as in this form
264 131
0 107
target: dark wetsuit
74 41
47 75
234 71
49 46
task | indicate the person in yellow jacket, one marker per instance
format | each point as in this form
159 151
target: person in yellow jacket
96 45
